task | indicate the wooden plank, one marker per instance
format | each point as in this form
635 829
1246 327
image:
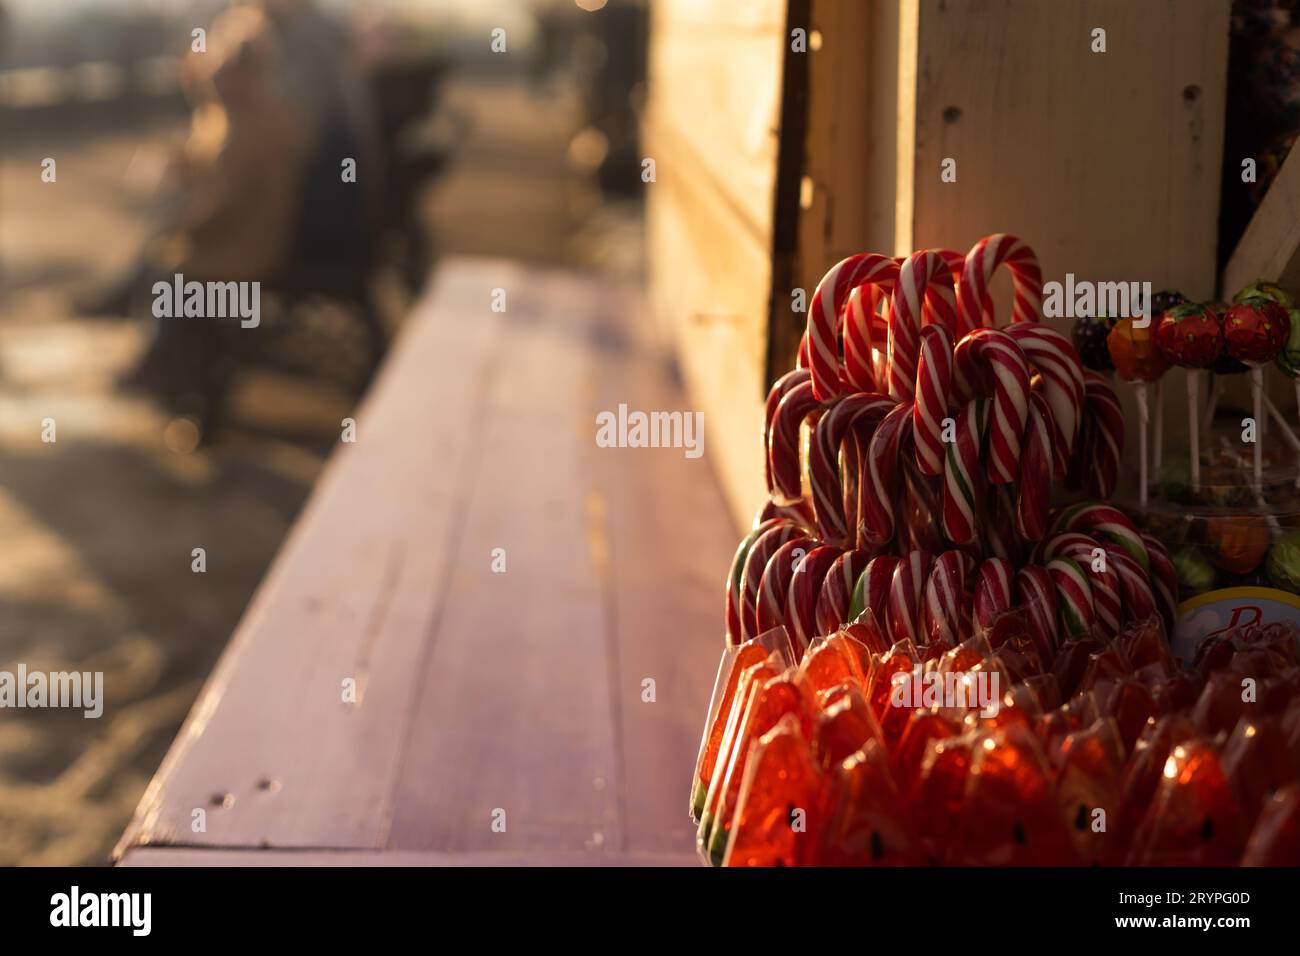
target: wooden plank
189 856
519 690
270 751
667 556
1270 246
1106 163
514 711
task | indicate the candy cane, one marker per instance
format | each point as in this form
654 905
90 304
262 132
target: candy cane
999 351
903 607
1050 354
1134 585
1037 595
774 587
945 597
863 329
805 588
871 591
924 283
992 592
779 390
961 474
1164 581
736 574
783 442
1034 488
837 590
1104 428
975 306
824 453
825 317
764 546
880 479
1073 596
1106 522
933 386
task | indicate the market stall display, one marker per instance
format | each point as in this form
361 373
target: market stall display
934 654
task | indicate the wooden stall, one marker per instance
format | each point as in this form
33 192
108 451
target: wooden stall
773 163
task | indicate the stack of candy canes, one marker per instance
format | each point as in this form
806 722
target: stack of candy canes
925 545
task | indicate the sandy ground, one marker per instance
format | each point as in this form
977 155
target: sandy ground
98 526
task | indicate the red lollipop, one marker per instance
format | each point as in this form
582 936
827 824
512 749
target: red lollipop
1255 330
1190 336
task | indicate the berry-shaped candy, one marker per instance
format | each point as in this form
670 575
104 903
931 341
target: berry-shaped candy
1225 364
1288 360
1134 352
1090 342
1259 289
1189 335
1255 331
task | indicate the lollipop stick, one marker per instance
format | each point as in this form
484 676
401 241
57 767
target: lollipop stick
1157 452
1144 420
1193 425
1257 409
1211 404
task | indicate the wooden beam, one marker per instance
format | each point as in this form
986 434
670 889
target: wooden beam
1270 247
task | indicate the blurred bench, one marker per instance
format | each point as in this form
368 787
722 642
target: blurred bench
476 691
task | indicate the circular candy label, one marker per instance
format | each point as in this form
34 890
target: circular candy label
1213 612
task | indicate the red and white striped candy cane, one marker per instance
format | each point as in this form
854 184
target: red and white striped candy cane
837 590
825 316
1103 427
903 608
824 456
779 390
864 328
1034 489
998 351
961 475
805 588
933 389
1073 596
924 286
879 479
1164 581
783 442
945 597
1036 593
1053 357
764 546
734 576
975 305
774 585
1134 585
993 581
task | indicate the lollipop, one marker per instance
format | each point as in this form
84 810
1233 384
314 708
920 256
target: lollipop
1190 336
1254 332
1137 360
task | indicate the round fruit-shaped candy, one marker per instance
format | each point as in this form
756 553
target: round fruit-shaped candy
1090 342
1237 543
1283 565
1189 335
1195 574
1255 331
1134 352
1259 289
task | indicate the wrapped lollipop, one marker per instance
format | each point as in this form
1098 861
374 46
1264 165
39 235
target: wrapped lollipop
1254 332
1138 361
1189 335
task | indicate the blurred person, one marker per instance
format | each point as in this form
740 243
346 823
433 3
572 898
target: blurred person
238 184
